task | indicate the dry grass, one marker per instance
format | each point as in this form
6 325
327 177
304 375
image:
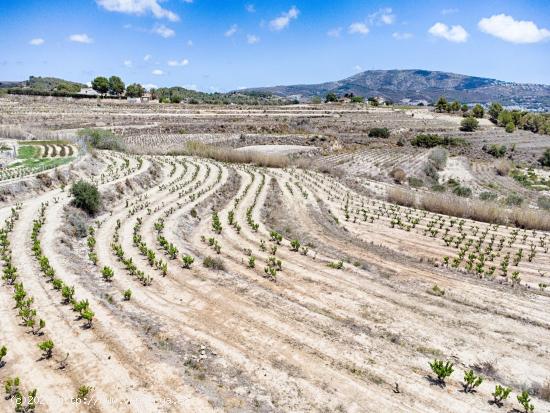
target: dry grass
503 167
194 148
483 211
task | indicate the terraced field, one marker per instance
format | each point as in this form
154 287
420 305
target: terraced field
212 286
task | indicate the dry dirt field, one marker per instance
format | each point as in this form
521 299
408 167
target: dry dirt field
298 288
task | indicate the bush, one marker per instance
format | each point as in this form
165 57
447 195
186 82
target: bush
102 139
331 97
544 202
462 191
487 196
469 124
510 127
438 157
514 200
498 151
415 182
545 158
503 167
86 196
432 140
442 370
379 133
214 263
478 111
398 175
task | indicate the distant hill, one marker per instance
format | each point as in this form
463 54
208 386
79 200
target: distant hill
423 85
45 84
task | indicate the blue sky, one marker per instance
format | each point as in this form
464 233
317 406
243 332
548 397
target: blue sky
225 45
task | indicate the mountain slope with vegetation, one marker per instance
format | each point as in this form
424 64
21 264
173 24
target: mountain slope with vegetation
423 85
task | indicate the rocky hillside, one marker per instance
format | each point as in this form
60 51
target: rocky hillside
424 85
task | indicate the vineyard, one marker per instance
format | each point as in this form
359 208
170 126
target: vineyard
203 284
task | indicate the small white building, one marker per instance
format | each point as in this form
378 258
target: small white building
88 91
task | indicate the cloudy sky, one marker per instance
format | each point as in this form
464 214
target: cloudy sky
220 45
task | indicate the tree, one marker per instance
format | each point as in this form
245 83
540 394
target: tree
494 111
471 381
478 111
47 347
86 196
116 85
135 90
357 99
464 108
373 101
455 106
545 158
441 105
469 124
442 370
100 84
331 97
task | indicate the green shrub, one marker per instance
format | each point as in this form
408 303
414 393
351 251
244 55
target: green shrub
510 127
545 158
86 196
432 140
415 182
469 124
102 139
463 191
498 151
442 370
487 196
514 200
379 133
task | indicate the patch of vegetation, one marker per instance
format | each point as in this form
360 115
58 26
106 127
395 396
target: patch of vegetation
27 152
214 263
415 182
487 196
543 202
102 139
86 196
379 133
469 124
432 140
498 151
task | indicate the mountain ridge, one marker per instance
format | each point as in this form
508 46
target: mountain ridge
416 85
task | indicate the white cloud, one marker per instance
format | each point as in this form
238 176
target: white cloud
357 68
284 19
128 63
401 36
147 57
231 31
164 31
382 16
157 72
252 39
81 38
173 63
250 8
138 7
360 28
334 32
455 34
445 12
36 42
515 31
